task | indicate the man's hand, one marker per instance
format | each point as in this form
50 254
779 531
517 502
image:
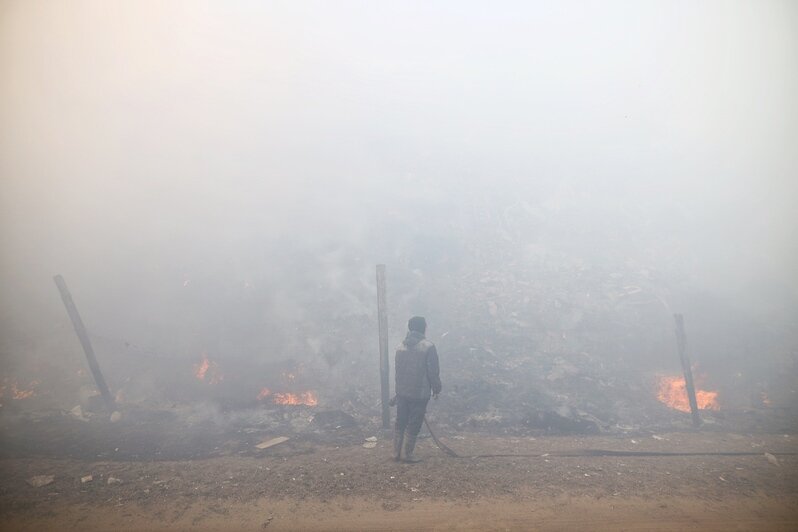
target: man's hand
435 396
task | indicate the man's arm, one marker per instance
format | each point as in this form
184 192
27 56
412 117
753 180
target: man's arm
433 370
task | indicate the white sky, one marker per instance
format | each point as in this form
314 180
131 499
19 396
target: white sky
134 131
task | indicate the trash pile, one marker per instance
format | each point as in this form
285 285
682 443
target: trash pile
543 323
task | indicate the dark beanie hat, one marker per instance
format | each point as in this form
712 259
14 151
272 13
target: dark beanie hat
417 323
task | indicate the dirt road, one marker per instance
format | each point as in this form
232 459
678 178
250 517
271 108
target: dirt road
301 485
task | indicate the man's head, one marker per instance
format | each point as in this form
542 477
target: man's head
418 324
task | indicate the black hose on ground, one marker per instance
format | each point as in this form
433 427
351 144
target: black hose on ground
590 452
440 445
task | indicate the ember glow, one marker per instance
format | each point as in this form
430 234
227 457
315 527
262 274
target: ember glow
208 371
673 392
202 368
264 393
765 399
13 390
18 394
301 398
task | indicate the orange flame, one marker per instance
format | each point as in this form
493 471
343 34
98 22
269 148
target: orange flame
264 393
202 368
765 399
301 398
23 394
16 392
673 392
209 369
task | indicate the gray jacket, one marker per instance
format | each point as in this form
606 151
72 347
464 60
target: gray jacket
417 368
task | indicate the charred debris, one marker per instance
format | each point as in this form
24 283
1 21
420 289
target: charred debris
537 343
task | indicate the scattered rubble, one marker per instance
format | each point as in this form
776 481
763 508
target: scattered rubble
77 413
272 442
772 459
40 480
332 419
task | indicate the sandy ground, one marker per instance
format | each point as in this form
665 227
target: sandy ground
301 485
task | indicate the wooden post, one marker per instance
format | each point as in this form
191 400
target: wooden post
80 329
382 319
684 357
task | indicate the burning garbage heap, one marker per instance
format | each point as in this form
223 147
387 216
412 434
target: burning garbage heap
544 341
520 352
673 393
517 356
12 390
285 378
532 338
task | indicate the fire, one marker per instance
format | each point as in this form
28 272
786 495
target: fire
18 394
15 392
765 399
673 392
209 369
202 368
264 393
301 398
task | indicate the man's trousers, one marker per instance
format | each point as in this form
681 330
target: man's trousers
410 415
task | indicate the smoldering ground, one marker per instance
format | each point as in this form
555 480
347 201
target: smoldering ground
546 183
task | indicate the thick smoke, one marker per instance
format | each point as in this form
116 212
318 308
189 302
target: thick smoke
222 179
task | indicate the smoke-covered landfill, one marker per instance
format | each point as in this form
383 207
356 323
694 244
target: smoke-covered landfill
217 220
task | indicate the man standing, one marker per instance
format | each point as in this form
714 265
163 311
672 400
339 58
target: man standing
417 374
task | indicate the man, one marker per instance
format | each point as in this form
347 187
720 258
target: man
417 374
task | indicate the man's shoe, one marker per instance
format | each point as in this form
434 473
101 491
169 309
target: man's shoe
397 445
410 444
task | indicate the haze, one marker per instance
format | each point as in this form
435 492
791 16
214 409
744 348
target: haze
213 176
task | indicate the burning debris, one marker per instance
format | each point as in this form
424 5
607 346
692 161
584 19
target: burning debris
673 393
209 369
302 398
504 376
764 400
307 398
264 393
291 382
11 389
